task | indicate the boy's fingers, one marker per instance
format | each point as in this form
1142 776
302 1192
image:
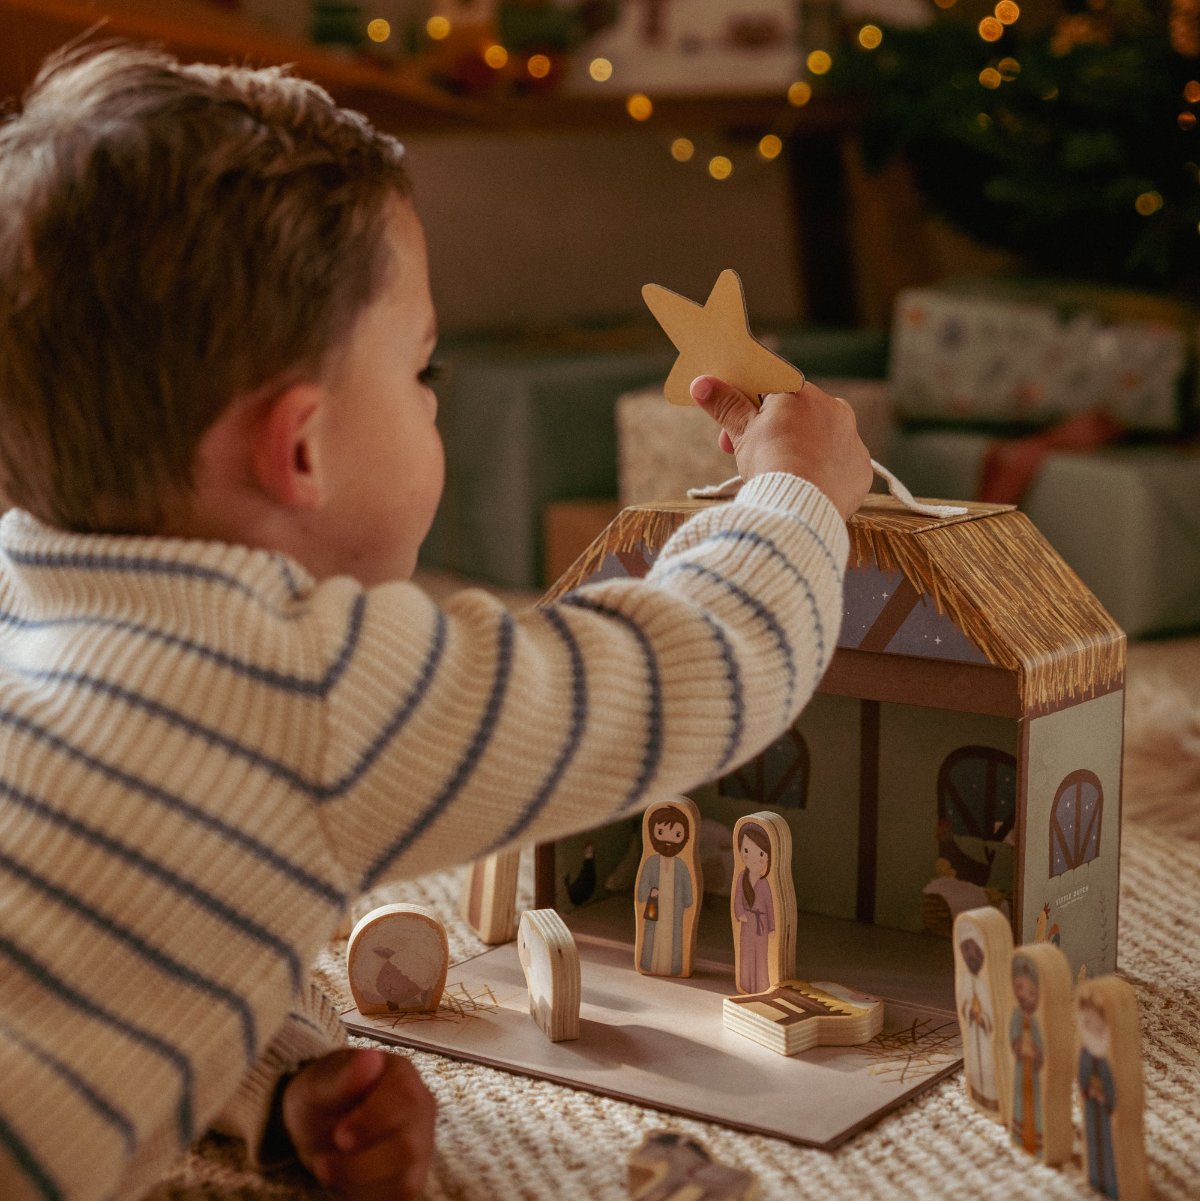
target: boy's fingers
326 1087
731 409
401 1101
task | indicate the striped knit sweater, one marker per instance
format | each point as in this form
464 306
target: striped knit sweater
204 753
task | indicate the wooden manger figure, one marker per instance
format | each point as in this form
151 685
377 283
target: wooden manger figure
396 960
670 1166
670 888
983 950
798 1015
762 903
550 961
1111 1088
1041 1041
489 897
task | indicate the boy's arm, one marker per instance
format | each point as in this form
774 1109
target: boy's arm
311 1030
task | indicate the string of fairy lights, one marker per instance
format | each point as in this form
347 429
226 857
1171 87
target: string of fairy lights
1185 28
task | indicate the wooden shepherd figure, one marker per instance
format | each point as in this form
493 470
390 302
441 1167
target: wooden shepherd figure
669 889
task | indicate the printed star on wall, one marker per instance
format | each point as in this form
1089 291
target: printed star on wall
715 339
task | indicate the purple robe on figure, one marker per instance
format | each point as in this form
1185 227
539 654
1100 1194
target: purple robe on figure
754 934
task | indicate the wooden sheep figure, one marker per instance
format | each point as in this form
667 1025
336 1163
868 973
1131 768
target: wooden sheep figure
762 903
1041 1041
396 960
550 961
670 1166
1111 1088
983 949
669 889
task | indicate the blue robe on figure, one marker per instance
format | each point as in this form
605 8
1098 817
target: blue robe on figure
653 930
1099 1097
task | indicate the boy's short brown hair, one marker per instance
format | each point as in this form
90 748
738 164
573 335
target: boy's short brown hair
171 237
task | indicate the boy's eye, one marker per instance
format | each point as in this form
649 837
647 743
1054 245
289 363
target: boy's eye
432 373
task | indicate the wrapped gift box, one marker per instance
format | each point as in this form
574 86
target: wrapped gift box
529 420
1003 357
1127 519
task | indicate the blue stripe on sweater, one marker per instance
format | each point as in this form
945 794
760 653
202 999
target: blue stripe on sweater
468 763
38 1176
186 888
162 961
138 1034
574 736
736 703
652 751
769 544
177 804
283 681
65 1072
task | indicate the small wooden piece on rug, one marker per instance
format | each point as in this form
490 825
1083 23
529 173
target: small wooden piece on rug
396 960
762 903
550 961
670 887
1041 1043
489 897
797 1016
670 1166
1111 1088
983 949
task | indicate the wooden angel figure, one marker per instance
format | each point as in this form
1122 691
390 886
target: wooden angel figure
1111 1088
1042 1042
762 903
669 889
983 948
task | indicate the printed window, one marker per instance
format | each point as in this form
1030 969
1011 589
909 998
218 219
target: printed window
1075 822
977 792
776 779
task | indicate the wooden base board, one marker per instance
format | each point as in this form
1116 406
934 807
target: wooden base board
662 1042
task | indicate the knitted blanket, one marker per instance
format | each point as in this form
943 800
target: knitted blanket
502 1136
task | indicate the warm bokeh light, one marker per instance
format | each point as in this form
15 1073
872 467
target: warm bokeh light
990 77
1007 12
720 167
538 66
600 69
682 150
379 30
770 146
990 29
1009 69
495 56
639 107
437 28
1191 91
1187 121
1148 203
869 37
819 62
799 94
984 121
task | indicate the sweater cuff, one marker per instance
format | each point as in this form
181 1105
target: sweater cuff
310 1031
787 493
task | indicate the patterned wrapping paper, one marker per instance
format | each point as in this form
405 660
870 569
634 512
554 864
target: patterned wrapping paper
991 360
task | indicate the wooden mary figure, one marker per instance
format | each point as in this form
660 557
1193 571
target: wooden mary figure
983 949
762 903
1111 1088
669 889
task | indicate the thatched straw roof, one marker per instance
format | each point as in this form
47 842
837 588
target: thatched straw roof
1001 583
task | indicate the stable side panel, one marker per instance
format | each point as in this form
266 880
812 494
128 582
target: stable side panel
1073 832
947 815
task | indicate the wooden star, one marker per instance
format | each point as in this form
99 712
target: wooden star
715 339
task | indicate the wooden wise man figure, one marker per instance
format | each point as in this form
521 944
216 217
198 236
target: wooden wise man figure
1042 1041
762 903
669 889
1111 1088
983 948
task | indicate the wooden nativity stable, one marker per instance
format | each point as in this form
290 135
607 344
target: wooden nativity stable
963 749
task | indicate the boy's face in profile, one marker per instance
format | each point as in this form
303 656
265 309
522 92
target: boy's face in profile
383 462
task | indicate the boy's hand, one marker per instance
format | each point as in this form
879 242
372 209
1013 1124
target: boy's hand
361 1122
808 433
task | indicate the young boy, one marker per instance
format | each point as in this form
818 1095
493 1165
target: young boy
223 708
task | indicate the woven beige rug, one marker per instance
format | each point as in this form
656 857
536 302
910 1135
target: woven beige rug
505 1137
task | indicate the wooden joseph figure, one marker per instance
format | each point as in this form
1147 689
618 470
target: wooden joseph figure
1041 1043
762 903
669 889
983 950
1111 1089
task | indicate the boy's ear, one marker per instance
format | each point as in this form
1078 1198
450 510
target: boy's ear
285 453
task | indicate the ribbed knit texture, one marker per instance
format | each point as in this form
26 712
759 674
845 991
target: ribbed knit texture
203 755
